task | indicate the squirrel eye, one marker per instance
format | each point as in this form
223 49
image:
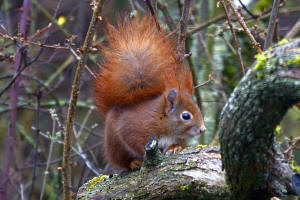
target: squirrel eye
185 115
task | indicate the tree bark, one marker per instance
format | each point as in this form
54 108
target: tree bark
255 166
192 173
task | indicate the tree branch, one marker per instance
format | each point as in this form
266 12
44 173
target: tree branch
272 23
255 166
236 44
74 94
182 29
194 173
255 44
294 31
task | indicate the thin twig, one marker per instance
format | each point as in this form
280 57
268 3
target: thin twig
74 95
292 147
46 172
22 191
90 71
131 5
182 29
170 22
294 31
248 11
39 31
236 44
213 67
28 42
27 64
206 24
36 154
210 79
152 4
255 44
271 26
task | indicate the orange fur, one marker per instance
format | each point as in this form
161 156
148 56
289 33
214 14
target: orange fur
135 93
140 63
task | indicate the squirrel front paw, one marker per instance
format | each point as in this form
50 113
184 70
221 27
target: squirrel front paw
135 164
173 149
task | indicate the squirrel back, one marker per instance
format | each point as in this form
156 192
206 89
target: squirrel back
140 62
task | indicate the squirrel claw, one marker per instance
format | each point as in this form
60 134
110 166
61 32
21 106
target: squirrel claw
173 149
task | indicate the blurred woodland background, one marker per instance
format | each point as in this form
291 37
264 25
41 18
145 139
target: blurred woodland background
40 43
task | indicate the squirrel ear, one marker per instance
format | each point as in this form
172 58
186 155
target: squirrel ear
172 99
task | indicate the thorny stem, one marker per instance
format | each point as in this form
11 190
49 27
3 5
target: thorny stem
74 95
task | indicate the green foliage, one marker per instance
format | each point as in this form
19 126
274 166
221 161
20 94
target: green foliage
262 5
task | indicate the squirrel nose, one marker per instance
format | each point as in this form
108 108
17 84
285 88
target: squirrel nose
202 129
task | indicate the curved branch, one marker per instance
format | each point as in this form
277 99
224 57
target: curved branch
255 166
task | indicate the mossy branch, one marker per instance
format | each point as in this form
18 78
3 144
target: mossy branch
255 166
74 95
194 173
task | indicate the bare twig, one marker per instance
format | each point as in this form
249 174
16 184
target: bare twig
206 24
131 5
182 30
46 172
236 44
255 44
294 31
271 26
292 147
248 11
170 22
221 17
152 4
74 94
36 155
90 71
213 67
27 64
210 79
28 42
39 31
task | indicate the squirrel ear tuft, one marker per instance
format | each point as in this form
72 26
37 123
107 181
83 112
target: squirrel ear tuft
172 99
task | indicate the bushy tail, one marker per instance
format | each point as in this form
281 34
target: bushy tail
139 63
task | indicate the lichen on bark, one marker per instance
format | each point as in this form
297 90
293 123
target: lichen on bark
194 173
255 166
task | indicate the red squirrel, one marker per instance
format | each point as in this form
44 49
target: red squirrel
144 90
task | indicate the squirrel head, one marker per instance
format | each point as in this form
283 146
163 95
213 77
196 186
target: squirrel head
185 118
